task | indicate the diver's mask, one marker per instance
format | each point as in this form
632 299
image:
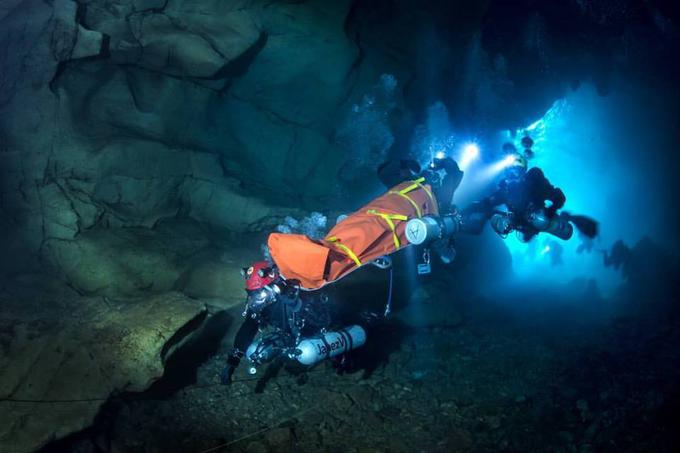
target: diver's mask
518 168
259 299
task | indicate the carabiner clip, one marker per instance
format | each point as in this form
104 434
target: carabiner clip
425 268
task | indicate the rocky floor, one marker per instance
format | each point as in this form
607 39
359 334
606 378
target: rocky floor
496 383
62 357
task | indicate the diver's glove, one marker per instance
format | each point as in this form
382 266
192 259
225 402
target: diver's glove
232 362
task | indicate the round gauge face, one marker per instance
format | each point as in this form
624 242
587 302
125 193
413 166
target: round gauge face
416 231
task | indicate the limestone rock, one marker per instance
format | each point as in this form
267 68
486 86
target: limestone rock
214 278
113 264
76 352
61 221
186 39
89 43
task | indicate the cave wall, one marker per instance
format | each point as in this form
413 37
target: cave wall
122 114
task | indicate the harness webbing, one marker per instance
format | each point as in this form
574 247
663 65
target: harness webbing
389 219
417 184
410 200
336 241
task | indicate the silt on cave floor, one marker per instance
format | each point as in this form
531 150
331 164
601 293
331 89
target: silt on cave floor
489 380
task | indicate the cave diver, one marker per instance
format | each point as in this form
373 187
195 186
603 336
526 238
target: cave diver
270 301
293 323
533 206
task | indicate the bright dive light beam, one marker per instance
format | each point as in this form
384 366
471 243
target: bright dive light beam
469 154
440 155
471 150
495 169
508 160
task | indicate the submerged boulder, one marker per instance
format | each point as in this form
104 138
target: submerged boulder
61 359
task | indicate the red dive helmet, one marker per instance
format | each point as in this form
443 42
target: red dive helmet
259 285
259 275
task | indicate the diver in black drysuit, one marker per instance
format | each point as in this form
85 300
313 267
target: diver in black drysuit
533 204
280 310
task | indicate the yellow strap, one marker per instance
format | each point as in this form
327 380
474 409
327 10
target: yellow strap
389 219
345 249
418 183
415 185
429 194
410 200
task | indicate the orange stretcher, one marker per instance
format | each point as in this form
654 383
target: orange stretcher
375 230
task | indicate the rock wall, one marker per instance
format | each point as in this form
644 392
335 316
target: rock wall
60 364
122 114
119 114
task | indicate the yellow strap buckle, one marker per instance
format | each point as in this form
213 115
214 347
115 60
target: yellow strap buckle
336 241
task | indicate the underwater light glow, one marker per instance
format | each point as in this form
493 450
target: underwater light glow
486 175
586 145
440 155
534 125
508 160
469 154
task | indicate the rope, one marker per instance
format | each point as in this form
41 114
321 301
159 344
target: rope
388 306
260 431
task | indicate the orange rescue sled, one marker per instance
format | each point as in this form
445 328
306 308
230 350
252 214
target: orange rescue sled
375 230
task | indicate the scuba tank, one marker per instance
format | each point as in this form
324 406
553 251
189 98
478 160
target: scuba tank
329 344
430 228
307 351
557 226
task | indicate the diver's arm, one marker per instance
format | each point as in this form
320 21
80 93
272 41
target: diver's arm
447 164
486 205
450 182
475 216
245 335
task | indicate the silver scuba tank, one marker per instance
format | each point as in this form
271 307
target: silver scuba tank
330 344
557 226
430 228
